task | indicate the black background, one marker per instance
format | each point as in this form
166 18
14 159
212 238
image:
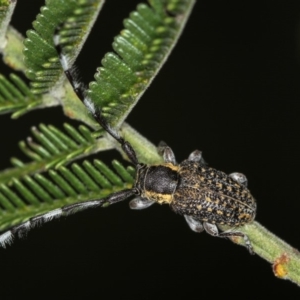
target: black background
231 89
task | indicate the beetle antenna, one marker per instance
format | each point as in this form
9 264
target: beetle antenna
22 229
80 91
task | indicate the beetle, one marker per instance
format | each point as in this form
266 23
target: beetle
206 197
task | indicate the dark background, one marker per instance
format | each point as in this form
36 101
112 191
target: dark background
231 89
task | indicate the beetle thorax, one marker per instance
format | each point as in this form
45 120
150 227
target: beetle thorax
157 182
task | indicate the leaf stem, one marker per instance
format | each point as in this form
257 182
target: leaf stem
284 258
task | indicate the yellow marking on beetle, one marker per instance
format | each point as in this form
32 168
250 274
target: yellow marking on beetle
199 207
197 186
242 216
169 165
219 185
219 212
201 178
209 209
159 198
222 197
207 199
229 188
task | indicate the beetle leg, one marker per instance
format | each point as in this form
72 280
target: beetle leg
240 178
167 153
212 229
237 233
195 156
140 203
161 147
194 224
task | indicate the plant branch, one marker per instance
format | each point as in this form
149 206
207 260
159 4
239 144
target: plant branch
284 258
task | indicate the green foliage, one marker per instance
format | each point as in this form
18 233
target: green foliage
46 182
6 8
16 96
4 5
141 49
33 195
52 148
73 19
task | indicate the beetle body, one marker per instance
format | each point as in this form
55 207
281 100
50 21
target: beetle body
199 191
212 196
206 197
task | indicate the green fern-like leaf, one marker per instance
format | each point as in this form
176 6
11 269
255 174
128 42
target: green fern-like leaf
52 148
15 96
4 5
6 9
34 195
76 18
141 48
